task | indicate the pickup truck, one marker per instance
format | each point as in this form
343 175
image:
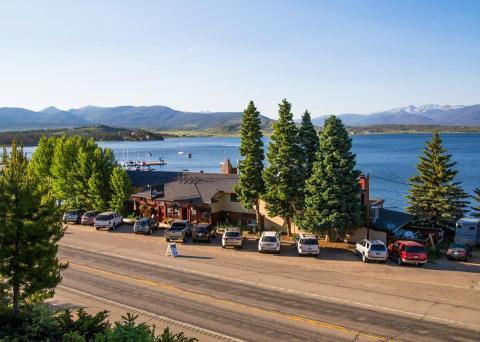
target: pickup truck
179 230
109 220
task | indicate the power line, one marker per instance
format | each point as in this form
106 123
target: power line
389 180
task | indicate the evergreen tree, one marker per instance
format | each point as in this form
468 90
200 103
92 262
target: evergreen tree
309 142
30 228
283 176
121 188
332 203
250 185
434 196
476 197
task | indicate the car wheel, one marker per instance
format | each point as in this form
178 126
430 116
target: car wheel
240 247
193 240
223 246
399 260
97 228
168 240
209 240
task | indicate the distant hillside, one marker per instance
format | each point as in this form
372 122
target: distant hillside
98 133
150 117
428 115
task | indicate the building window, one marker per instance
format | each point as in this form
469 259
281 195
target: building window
234 198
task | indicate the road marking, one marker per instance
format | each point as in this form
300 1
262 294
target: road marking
165 319
154 283
278 288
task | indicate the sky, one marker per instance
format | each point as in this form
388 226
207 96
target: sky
329 57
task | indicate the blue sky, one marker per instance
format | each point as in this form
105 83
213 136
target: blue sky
328 56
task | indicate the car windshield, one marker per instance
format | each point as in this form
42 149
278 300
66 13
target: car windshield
457 245
72 212
269 239
90 213
142 222
201 229
415 249
178 225
308 242
378 247
232 234
104 217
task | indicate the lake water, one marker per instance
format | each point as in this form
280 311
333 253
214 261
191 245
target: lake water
390 159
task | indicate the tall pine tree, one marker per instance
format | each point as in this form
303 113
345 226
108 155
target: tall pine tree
434 196
283 177
30 228
309 142
332 204
250 185
476 208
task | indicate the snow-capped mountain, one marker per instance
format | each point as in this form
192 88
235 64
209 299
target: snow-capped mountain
447 115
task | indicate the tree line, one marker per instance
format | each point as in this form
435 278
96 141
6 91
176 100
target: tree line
311 179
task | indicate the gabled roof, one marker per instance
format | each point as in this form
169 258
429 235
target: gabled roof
183 186
390 220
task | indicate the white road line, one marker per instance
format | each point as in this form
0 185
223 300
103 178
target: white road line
164 319
247 282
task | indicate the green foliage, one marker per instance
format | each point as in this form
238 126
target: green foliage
284 175
476 208
40 323
434 196
332 203
76 169
29 231
250 185
309 142
121 188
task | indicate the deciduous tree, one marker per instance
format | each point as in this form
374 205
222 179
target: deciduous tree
121 188
250 185
332 203
434 196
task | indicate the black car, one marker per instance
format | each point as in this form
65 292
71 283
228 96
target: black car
459 251
203 232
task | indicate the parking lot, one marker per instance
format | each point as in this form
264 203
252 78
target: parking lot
272 289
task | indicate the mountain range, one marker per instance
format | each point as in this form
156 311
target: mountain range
149 117
166 118
435 115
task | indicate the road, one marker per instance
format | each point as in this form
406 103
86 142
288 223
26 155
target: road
216 294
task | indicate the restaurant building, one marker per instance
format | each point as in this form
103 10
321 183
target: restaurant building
195 196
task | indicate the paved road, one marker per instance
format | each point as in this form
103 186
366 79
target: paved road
242 295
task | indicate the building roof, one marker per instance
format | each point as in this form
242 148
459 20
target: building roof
183 186
389 220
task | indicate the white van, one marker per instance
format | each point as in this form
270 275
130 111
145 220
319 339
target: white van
307 244
269 242
468 231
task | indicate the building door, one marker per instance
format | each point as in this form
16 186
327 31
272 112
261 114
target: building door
184 214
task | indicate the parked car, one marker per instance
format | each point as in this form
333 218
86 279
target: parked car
270 241
459 251
145 225
408 252
109 220
72 216
307 244
232 237
371 250
203 232
179 231
88 218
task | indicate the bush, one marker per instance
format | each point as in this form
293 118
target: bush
38 322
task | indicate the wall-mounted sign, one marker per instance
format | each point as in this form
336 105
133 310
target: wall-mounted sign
157 191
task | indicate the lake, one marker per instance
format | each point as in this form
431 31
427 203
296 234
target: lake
390 159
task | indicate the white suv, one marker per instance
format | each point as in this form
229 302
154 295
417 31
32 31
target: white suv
232 237
307 244
270 241
374 250
109 220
